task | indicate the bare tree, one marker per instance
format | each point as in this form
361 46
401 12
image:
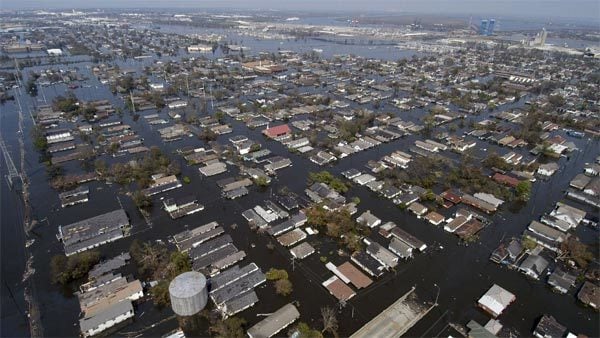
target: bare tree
330 322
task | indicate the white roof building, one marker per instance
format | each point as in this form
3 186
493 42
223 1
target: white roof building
54 51
496 300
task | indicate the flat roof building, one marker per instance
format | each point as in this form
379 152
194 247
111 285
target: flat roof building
275 322
93 232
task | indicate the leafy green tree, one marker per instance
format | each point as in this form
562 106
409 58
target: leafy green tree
528 243
327 178
523 190
39 139
276 274
261 181
66 269
68 104
160 294
305 331
220 116
179 262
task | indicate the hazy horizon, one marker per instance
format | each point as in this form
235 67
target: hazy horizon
549 9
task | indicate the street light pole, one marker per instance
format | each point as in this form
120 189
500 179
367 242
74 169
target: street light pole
437 295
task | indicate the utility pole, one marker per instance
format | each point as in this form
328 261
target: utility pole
132 103
187 83
212 106
12 170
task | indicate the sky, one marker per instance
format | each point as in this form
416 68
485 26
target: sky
582 9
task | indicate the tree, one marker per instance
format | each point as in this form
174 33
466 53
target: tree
232 327
179 262
141 200
126 82
330 322
220 116
261 181
31 87
160 294
573 249
207 135
276 274
39 139
283 287
66 269
255 147
493 160
58 265
54 171
327 178
556 100
100 167
68 104
523 190
150 258
528 243
305 331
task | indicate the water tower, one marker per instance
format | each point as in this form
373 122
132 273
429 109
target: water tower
188 293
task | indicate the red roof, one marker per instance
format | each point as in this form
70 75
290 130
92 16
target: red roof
357 278
504 179
338 289
277 130
451 196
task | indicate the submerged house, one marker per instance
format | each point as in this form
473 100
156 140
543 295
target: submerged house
561 281
368 219
533 266
496 300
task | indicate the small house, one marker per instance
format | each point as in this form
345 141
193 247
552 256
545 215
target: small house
533 266
496 300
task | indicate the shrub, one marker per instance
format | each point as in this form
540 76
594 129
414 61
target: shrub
276 274
283 287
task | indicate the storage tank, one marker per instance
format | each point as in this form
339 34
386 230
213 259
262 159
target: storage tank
188 293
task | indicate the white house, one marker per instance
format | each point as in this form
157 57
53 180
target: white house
106 319
547 169
54 52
